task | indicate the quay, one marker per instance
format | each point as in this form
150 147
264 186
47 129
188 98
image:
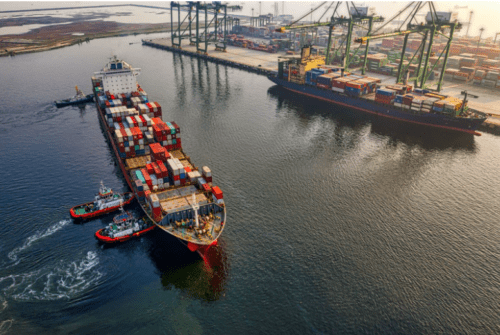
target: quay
265 63
249 60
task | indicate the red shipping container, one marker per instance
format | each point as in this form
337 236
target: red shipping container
150 169
187 169
157 170
183 181
326 87
107 103
217 192
208 179
206 187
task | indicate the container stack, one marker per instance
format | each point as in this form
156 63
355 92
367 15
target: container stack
370 84
167 134
325 80
454 62
376 61
479 76
152 109
130 142
398 101
400 89
158 152
176 171
428 104
385 96
416 103
217 195
449 74
407 101
154 204
207 174
355 87
490 79
338 84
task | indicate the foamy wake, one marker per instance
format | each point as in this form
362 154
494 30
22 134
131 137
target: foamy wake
63 281
5 326
13 255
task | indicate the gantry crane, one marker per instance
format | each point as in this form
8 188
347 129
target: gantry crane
435 25
220 24
358 16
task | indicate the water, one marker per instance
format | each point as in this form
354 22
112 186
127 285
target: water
337 222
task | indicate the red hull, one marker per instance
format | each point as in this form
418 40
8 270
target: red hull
99 212
107 239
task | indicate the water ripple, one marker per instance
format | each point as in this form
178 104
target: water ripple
13 255
63 281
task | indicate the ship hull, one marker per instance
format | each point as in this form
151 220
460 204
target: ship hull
464 125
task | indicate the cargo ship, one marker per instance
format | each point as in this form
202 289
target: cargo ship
310 77
177 196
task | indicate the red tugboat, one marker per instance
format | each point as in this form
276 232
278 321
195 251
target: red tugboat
105 201
123 227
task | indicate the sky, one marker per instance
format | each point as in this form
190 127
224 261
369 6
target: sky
486 13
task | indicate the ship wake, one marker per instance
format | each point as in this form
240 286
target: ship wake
62 281
14 254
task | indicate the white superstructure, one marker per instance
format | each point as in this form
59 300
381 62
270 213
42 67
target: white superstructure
118 77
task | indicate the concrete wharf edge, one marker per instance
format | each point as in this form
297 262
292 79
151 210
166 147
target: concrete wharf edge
247 60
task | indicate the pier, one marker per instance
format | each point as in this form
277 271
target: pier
249 60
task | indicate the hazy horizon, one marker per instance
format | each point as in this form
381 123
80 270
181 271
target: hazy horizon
485 14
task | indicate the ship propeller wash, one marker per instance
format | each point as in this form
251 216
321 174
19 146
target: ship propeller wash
175 194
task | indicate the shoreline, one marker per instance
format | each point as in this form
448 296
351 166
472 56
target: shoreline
59 36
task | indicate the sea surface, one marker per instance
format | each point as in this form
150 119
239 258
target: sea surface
338 223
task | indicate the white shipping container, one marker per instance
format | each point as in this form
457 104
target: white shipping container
206 171
129 134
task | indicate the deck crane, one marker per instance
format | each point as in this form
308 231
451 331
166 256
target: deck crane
435 25
216 8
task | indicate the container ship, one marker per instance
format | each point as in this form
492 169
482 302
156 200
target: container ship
309 76
173 192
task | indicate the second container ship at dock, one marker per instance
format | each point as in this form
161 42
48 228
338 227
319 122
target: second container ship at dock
309 76
177 196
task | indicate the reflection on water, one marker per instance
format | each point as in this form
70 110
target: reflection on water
180 269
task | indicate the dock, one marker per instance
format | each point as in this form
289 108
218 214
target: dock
264 63
250 60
